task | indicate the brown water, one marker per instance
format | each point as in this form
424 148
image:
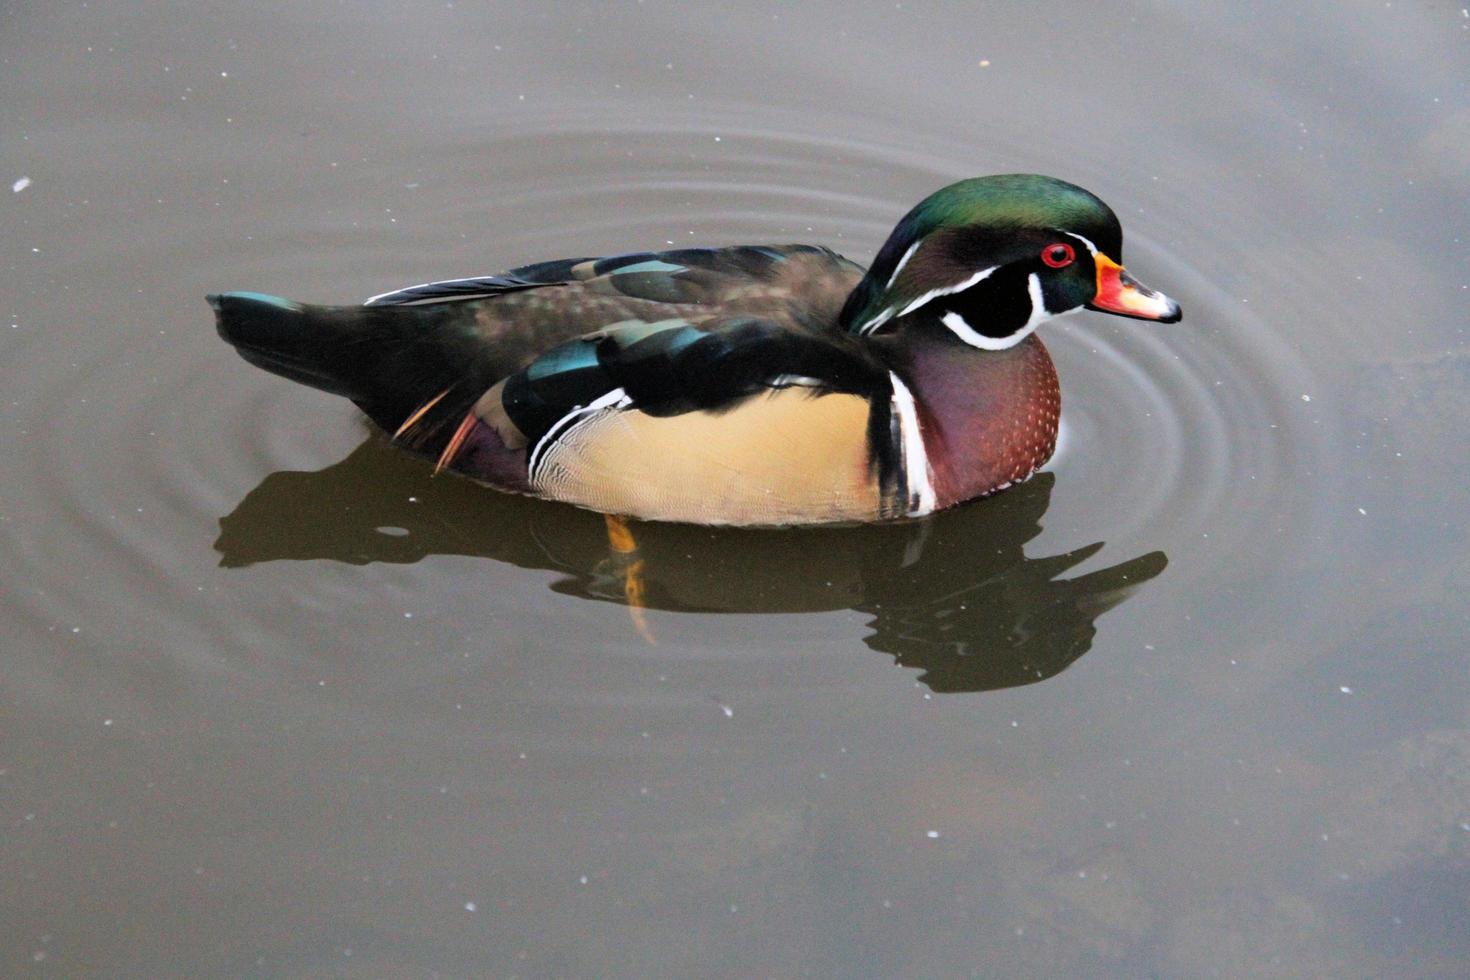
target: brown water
276 703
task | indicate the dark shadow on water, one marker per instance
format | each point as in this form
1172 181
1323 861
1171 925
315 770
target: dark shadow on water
953 596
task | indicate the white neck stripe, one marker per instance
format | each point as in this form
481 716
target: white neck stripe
961 328
1039 312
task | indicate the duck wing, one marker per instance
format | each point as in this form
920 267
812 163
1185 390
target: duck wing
420 357
718 278
673 419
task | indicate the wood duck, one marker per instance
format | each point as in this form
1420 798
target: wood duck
751 385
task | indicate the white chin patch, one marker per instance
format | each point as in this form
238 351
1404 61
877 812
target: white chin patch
961 328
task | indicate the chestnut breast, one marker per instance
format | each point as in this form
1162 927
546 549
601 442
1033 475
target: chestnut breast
988 418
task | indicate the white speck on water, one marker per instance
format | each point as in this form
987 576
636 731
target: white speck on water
932 834
38 955
1306 398
1345 689
106 722
729 711
1362 511
1465 826
583 879
408 615
470 906
20 185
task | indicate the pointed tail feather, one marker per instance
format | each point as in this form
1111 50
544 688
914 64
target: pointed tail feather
418 414
279 336
456 442
392 361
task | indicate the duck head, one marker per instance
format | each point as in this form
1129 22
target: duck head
991 258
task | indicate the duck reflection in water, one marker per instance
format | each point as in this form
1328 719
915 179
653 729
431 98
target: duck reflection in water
952 595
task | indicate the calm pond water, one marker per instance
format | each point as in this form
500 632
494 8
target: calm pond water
1194 702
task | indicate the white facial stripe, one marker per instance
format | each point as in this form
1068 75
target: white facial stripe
916 475
903 262
872 325
617 398
947 290
1072 234
961 328
877 321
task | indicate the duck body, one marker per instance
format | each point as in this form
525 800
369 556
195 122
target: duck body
751 385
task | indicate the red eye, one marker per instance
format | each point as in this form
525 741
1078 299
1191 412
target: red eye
1059 255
